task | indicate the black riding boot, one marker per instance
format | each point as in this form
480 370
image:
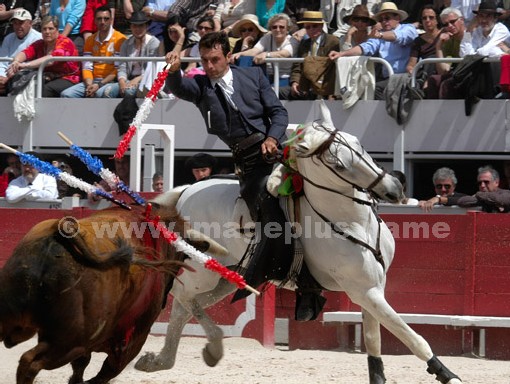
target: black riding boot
309 302
272 256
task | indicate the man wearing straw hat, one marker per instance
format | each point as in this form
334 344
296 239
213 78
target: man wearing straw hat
239 106
392 43
319 44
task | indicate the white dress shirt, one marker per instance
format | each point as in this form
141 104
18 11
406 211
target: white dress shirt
43 187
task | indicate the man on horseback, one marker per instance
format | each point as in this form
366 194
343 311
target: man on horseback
240 107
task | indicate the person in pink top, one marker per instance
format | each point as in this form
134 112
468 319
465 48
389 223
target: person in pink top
58 75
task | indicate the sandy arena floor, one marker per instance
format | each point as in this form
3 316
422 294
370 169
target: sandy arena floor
247 362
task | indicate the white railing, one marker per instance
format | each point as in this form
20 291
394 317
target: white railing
275 61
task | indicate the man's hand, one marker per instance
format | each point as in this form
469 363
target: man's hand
269 146
90 90
333 55
174 60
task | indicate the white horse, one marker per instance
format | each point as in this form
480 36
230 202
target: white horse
340 179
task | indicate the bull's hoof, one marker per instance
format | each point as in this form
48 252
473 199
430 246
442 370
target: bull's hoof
152 363
212 354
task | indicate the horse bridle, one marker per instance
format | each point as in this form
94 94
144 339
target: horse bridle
318 152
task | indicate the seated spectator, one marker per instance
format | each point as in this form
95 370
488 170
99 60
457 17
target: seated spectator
319 44
157 182
22 36
359 22
121 169
392 43
403 180
7 9
424 46
445 182
157 12
229 13
189 12
486 37
106 42
248 31
59 75
335 12
88 25
266 9
69 14
31 186
13 168
124 10
64 190
440 85
201 165
277 44
205 25
489 196
175 39
139 44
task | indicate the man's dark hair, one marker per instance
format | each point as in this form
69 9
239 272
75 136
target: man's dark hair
214 39
103 8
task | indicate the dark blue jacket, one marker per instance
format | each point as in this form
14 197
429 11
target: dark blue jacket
257 102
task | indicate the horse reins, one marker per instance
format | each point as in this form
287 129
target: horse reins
318 152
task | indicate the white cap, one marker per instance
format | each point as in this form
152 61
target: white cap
21 14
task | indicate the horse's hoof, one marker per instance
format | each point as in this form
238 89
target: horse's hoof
455 381
151 363
210 359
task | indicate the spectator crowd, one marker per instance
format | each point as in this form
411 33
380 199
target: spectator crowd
321 32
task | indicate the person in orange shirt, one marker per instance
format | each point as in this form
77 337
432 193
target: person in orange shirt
106 42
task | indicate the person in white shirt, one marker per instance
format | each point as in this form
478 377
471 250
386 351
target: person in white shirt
486 37
31 186
16 41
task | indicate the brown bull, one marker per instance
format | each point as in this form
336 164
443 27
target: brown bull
82 291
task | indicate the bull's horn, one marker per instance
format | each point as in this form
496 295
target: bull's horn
215 248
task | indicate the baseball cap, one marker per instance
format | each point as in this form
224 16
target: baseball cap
21 14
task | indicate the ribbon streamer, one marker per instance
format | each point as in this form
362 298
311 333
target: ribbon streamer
95 165
142 113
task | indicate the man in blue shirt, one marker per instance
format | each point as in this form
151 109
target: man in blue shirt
389 39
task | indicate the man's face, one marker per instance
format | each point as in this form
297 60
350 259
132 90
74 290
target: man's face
453 24
214 62
21 27
29 172
157 185
103 21
389 21
486 21
313 30
444 187
201 173
139 30
486 183
122 168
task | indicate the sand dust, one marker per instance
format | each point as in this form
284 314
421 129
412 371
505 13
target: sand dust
247 362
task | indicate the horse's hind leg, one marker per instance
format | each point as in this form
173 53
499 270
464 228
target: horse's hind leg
372 339
151 362
213 351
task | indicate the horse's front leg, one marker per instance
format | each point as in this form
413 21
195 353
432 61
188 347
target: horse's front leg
179 317
372 339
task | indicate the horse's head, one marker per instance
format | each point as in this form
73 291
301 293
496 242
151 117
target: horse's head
337 160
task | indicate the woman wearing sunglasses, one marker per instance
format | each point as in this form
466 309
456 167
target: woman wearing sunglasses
360 22
248 31
205 25
276 44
